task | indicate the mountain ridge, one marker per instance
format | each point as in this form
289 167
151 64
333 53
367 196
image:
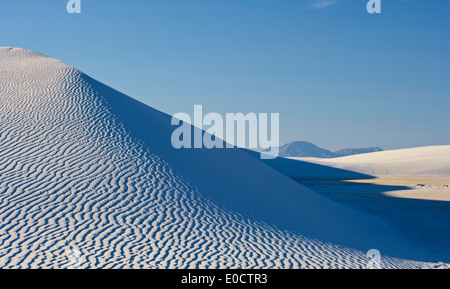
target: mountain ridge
308 149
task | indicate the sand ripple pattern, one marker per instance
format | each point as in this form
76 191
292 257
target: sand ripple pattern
72 178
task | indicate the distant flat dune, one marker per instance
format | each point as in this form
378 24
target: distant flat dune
433 189
430 161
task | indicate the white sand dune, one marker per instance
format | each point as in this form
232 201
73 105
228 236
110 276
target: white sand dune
430 161
85 167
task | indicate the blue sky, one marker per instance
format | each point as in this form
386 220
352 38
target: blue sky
338 76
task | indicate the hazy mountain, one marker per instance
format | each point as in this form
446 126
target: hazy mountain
307 149
304 149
